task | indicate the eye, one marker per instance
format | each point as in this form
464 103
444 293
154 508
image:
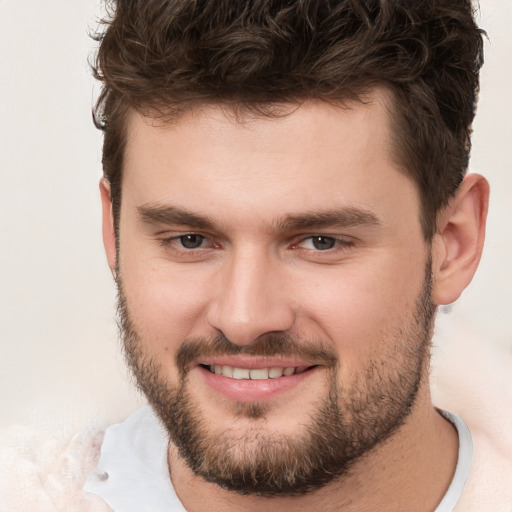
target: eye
323 243
324 246
188 246
191 241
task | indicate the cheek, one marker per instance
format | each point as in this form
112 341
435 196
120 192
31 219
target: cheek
362 309
166 303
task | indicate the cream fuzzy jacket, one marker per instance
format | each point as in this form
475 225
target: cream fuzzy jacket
39 475
46 473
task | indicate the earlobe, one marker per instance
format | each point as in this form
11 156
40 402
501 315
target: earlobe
109 237
458 244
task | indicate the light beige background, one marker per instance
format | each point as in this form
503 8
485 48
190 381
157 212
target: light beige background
60 364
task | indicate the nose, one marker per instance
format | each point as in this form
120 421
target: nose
250 299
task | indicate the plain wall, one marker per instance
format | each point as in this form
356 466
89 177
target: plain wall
60 361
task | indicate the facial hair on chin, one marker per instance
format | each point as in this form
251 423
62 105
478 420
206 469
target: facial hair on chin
345 426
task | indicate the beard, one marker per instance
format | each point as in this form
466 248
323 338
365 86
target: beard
346 425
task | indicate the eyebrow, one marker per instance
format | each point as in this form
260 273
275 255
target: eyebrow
347 217
173 215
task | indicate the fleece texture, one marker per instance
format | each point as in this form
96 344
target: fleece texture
38 475
43 471
46 473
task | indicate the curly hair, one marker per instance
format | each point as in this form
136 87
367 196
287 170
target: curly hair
163 56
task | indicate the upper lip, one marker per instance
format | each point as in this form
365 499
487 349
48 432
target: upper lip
254 362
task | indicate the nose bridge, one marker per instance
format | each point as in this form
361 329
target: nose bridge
251 299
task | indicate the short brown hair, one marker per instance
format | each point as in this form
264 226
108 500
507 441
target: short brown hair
162 56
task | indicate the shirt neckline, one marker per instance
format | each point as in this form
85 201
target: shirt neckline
463 467
132 473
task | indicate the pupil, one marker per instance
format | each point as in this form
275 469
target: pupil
191 241
323 243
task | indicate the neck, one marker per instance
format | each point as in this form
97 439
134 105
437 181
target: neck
410 471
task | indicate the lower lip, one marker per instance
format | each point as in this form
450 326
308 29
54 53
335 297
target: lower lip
248 390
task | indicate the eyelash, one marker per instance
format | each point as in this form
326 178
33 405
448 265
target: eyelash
339 243
173 243
169 242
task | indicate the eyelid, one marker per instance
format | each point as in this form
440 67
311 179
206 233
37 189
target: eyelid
167 240
170 242
340 240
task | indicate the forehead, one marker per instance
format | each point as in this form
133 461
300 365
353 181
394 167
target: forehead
312 155
314 122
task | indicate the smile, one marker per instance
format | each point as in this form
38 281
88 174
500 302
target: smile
254 379
233 372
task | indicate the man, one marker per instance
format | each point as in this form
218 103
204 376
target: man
284 208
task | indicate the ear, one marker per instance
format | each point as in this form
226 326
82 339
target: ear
109 236
459 240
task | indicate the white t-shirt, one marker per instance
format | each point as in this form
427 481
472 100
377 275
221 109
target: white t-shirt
132 473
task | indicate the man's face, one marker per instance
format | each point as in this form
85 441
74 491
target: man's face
275 290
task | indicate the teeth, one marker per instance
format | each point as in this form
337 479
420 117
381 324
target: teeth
274 373
259 374
227 371
255 373
241 373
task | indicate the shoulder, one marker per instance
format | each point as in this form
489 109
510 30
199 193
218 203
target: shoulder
46 471
489 483
132 472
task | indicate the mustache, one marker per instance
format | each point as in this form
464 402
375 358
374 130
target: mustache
267 345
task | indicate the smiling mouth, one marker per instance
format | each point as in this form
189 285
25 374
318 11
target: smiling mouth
233 372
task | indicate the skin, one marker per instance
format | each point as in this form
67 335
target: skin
249 279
